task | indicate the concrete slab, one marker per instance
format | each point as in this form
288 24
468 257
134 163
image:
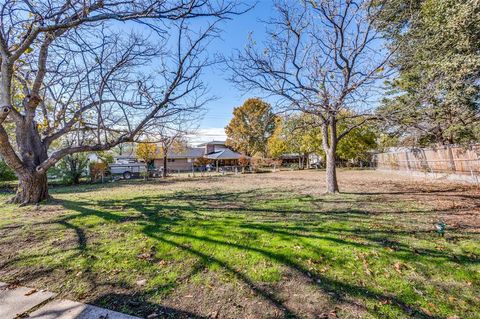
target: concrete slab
14 302
67 309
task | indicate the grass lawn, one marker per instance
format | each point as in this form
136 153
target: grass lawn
254 246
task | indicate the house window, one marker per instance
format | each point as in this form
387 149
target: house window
170 160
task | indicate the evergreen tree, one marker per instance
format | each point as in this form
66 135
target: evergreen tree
435 98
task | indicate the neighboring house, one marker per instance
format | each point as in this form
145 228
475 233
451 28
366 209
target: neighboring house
220 154
183 161
216 151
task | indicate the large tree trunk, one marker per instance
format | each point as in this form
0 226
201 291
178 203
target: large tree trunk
32 186
329 143
32 189
331 172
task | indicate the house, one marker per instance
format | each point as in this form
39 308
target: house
220 154
216 151
181 161
186 160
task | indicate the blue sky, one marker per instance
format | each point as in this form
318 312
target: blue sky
234 36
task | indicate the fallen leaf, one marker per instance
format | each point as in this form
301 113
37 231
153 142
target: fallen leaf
398 267
31 292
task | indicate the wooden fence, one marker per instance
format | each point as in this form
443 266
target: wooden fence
445 159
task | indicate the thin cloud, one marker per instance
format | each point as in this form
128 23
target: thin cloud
207 134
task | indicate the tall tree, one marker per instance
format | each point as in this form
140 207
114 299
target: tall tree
320 57
64 68
436 96
251 126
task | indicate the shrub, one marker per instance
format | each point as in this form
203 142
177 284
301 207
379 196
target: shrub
294 166
98 170
243 161
6 173
71 168
261 164
202 161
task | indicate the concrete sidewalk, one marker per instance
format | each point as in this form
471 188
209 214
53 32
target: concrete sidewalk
22 302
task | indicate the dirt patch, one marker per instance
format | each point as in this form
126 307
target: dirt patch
294 296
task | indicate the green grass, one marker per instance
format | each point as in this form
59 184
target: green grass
384 256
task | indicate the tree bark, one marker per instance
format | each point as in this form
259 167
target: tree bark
164 173
32 189
329 143
32 186
331 171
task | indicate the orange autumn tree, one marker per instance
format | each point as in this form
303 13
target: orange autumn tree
251 126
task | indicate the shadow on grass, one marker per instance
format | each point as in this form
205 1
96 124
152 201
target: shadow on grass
152 208
140 307
154 215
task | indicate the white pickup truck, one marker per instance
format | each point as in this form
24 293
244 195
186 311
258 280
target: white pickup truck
127 167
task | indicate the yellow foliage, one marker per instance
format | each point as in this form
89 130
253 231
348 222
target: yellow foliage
146 151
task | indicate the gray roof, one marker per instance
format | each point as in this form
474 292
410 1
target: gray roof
290 155
223 154
190 152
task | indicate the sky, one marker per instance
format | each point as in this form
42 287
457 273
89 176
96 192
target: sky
234 36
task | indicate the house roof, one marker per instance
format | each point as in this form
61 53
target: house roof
290 155
223 154
190 152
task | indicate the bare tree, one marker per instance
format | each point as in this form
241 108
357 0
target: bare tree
170 133
74 67
319 57
171 141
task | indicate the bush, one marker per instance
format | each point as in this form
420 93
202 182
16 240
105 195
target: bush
98 170
262 164
202 161
294 166
6 173
71 168
243 161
